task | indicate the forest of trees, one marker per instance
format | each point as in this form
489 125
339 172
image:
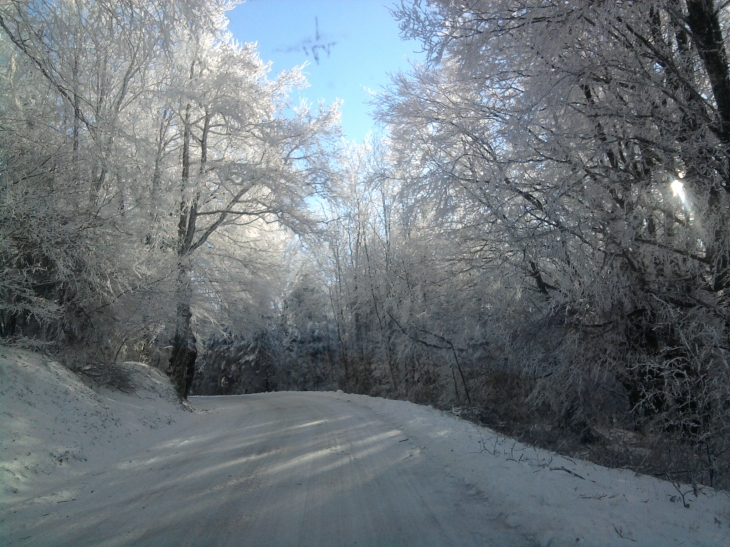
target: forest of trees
540 241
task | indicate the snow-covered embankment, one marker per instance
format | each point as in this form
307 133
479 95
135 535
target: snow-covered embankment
53 424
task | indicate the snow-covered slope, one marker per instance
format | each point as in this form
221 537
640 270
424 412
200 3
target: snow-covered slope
556 499
51 422
87 463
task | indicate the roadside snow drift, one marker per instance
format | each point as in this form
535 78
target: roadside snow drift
83 466
52 421
559 500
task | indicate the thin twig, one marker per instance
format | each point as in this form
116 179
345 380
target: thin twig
620 534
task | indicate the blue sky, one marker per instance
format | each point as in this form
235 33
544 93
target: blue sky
357 45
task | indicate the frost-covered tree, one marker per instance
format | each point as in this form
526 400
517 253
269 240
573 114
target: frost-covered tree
160 158
75 73
243 161
579 153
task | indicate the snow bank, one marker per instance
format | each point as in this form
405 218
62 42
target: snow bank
51 422
554 499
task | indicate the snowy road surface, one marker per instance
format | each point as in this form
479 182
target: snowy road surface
275 469
82 466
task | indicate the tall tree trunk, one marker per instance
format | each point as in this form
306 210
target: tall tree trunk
704 21
184 354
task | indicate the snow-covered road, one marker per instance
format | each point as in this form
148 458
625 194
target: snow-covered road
274 469
82 466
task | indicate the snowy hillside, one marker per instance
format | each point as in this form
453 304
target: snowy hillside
556 499
62 443
54 424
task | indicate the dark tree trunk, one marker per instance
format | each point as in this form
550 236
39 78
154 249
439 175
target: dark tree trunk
184 353
182 364
704 21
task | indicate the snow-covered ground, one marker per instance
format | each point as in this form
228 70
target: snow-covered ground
82 466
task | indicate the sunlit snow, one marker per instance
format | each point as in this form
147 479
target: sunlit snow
678 191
